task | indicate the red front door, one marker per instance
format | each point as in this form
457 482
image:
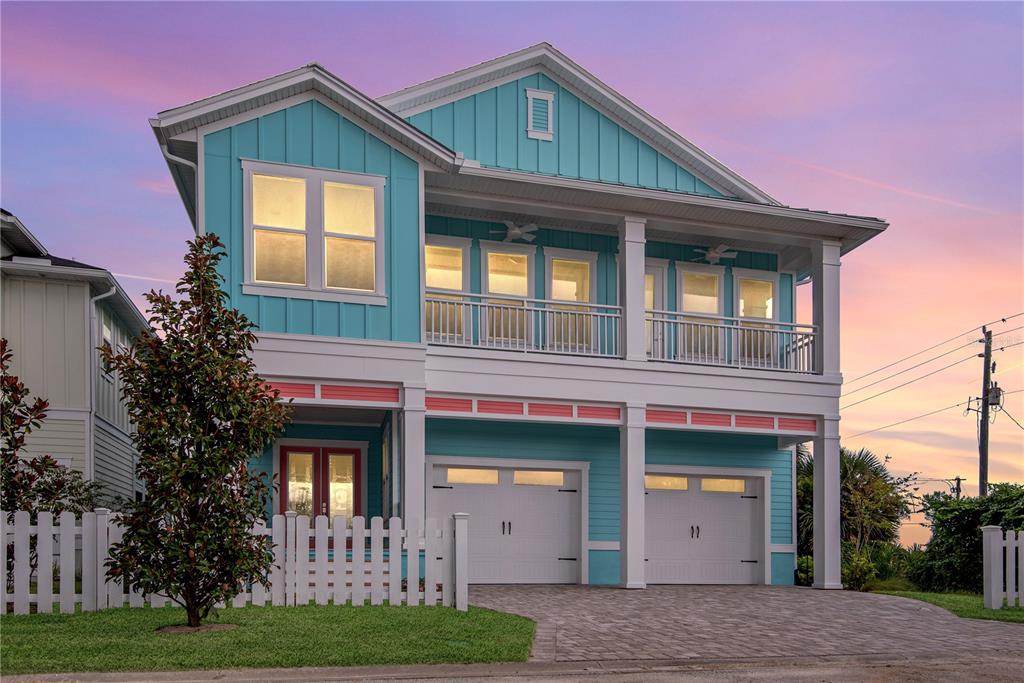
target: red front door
321 481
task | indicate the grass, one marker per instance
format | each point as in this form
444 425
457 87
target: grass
126 639
966 605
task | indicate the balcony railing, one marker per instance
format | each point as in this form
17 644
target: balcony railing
730 342
519 324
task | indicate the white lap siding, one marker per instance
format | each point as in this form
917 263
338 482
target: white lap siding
114 460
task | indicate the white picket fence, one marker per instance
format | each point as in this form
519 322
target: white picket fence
328 562
1003 561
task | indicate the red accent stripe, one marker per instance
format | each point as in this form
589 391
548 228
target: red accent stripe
755 421
451 405
677 417
500 407
599 412
550 409
798 425
711 419
295 390
355 393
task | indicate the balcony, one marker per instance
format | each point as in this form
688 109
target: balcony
730 342
510 323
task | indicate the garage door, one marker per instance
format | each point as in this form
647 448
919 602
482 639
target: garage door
524 523
703 529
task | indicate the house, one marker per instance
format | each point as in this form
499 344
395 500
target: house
509 291
55 312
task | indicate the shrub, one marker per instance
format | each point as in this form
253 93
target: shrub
805 570
952 560
858 571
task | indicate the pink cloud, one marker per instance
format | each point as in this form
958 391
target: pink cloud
158 185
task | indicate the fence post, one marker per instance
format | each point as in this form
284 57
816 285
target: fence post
102 548
461 561
992 563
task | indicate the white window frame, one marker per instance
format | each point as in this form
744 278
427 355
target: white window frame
750 274
552 253
683 267
463 243
316 284
532 95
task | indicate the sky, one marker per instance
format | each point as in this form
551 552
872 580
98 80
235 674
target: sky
911 112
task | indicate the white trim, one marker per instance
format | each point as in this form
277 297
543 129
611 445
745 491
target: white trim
765 475
314 233
581 466
603 545
751 274
362 446
532 95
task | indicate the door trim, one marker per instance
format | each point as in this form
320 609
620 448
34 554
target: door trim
765 475
581 466
361 446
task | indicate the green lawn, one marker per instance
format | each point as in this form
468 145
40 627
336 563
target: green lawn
125 639
966 605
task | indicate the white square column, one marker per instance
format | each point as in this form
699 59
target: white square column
632 259
414 460
827 538
825 293
631 503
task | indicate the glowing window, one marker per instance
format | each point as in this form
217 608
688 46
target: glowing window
472 475
538 478
723 485
444 267
666 482
508 274
570 280
700 293
756 298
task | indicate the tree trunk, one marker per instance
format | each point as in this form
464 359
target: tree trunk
193 615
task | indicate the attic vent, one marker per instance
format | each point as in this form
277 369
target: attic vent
540 111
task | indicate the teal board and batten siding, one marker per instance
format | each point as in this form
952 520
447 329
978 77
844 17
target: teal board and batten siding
599 446
311 134
373 505
490 127
605 246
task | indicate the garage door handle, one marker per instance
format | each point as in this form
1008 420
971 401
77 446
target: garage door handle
749 561
691 531
503 528
568 559
698 531
443 487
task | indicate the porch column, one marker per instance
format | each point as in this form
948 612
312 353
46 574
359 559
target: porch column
825 276
827 572
631 280
413 453
631 502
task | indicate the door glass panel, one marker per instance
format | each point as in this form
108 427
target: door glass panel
701 337
723 485
538 478
472 475
507 274
341 485
300 482
570 281
665 482
444 271
756 300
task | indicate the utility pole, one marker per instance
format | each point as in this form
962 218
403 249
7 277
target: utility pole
986 378
956 488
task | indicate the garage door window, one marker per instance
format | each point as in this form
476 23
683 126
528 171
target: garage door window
538 478
472 475
665 482
723 485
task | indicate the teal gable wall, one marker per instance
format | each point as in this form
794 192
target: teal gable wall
311 134
600 447
490 127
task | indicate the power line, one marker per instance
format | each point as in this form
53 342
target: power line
912 367
918 417
935 346
934 372
997 334
900 386
1003 410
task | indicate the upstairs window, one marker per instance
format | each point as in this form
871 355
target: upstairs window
313 233
540 114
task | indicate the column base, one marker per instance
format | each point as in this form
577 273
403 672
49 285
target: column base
828 586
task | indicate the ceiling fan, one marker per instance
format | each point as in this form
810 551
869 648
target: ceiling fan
517 232
714 254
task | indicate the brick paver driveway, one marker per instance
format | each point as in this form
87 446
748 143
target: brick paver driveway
588 623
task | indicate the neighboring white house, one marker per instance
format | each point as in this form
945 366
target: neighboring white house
55 312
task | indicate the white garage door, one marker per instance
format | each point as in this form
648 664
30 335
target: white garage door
703 529
524 523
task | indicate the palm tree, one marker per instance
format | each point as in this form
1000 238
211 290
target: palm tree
872 501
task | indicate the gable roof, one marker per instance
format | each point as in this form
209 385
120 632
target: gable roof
544 56
14 233
175 128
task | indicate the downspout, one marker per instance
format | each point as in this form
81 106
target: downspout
195 171
90 459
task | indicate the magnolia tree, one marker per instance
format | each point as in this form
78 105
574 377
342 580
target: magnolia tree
200 411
